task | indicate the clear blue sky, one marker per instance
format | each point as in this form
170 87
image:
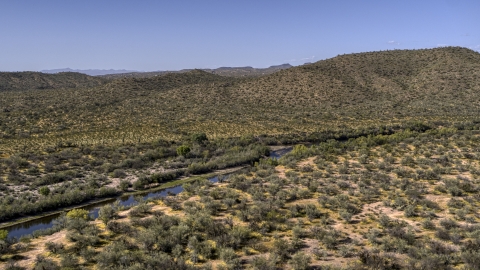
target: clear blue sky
176 34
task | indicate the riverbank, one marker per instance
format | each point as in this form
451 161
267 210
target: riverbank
170 184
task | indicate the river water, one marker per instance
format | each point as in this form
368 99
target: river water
27 228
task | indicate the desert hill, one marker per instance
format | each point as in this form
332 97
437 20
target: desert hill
436 86
444 81
19 81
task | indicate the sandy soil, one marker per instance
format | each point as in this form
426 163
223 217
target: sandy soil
37 247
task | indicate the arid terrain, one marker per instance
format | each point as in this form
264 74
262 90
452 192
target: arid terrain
384 171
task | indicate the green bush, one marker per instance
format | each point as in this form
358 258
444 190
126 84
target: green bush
78 213
229 256
124 185
107 213
199 138
55 248
183 150
300 151
3 234
44 191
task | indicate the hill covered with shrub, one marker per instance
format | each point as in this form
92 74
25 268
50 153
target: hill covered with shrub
436 86
21 81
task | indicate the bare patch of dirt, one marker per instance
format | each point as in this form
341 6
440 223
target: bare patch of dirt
378 208
37 247
281 171
308 161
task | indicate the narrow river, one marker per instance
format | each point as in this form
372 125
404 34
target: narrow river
28 227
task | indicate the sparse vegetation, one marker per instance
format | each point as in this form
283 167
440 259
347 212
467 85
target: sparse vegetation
383 173
271 217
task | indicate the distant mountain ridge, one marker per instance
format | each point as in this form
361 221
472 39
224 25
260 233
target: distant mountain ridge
222 71
123 73
91 72
75 78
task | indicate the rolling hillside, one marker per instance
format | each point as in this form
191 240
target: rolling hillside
20 81
437 86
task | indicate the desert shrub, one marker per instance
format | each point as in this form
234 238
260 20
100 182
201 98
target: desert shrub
106 192
78 213
281 247
346 251
410 211
164 177
300 261
140 210
472 259
312 212
12 265
54 247
378 260
320 254
136 163
44 191
183 150
440 248
264 263
76 224
330 241
119 227
346 216
124 185
88 254
54 178
428 224
114 256
300 151
43 263
442 234
427 175
107 213
384 221
229 256
429 204
306 168
200 138
3 235
69 261
119 173
456 203
455 191
4 246
448 223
